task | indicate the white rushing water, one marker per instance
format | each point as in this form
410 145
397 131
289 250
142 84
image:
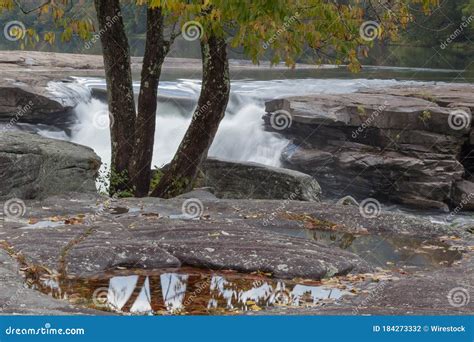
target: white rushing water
240 136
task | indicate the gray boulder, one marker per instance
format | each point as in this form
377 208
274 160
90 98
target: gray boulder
32 166
463 195
36 103
240 180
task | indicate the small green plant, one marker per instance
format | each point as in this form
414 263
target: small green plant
156 175
425 116
426 96
361 111
107 177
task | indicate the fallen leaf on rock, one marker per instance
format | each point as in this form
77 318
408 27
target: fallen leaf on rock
311 282
330 281
74 220
255 308
33 221
161 312
151 214
450 237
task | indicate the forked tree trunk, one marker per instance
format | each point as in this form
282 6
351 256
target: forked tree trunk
155 52
212 103
119 90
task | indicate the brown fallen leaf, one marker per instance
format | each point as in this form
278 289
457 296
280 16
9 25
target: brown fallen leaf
74 220
151 215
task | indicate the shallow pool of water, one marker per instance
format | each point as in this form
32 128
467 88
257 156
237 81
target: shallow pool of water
384 250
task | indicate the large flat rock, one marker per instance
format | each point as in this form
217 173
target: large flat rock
144 239
387 111
82 235
444 94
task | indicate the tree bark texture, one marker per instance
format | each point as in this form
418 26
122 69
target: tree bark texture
119 90
212 103
155 52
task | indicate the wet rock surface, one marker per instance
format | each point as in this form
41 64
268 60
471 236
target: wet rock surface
88 235
16 298
409 146
159 235
32 166
443 292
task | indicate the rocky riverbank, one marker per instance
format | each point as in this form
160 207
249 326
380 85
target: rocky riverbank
408 145
82 236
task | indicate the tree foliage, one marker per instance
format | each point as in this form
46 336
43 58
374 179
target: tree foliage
279 30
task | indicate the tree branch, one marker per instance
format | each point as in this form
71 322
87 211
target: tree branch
32 10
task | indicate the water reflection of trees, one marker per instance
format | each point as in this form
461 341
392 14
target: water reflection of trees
175 293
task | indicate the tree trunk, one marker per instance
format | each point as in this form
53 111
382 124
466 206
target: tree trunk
212 103
155 52
119 90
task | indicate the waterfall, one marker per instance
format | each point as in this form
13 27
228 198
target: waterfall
240 137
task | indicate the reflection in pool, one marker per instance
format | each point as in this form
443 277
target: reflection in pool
384 250
191 291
